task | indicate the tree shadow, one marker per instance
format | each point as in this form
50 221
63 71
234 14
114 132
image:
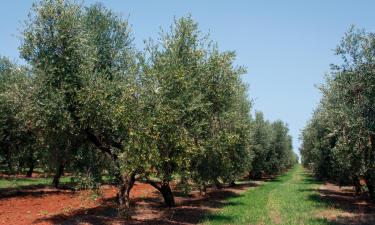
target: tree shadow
33 194
151 210
322 221
309 179
34 190
340 206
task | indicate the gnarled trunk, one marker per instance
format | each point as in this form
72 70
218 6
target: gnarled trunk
8 158
203 189
127 183
31 164
217 184
29 173
357 185
58 174
166 191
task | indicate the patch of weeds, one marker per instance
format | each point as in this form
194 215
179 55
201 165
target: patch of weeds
44 212
67 209
95 195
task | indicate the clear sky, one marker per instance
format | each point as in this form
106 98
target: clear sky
287 46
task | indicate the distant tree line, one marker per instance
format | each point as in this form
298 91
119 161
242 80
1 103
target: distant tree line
89 103
338 142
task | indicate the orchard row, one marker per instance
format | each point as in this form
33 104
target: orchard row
89 103
339 141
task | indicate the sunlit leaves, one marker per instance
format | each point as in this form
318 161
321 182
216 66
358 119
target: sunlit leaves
338 142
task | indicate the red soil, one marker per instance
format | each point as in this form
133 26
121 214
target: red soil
51 206
34 206
347 208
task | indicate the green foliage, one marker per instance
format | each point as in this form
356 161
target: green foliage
260 140
339 141
201 111
89 102
281 156
272 146
18 145
55 45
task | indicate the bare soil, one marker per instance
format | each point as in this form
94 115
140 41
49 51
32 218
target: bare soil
44 206
346 207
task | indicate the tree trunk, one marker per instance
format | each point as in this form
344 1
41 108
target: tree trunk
357 185
203 189
30 171
232 184
255 175
218 185
165 190
8 158
31 164
58 174
127 182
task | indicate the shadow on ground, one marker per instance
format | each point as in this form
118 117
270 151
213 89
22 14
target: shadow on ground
151 210
343 206
35 190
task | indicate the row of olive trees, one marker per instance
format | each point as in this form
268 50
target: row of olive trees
338 142
272 147
90 103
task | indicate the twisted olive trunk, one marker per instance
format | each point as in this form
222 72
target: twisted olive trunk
58 174
217 184
166 191
203 189
31 164
29 173
8 158
357 185
126 184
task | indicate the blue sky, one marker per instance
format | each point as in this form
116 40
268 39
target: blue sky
287 46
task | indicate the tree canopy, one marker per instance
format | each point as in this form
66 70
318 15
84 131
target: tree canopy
338 142
90 103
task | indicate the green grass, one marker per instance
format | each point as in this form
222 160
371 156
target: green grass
289 199
17 182
27 182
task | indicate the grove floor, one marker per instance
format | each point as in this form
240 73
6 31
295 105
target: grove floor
45 206
293 198
296 198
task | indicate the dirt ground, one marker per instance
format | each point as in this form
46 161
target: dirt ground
44 206
345 206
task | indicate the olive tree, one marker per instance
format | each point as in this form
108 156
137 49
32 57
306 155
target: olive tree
174 67
224 139
201 111
86 87
19 147
348 109
260 143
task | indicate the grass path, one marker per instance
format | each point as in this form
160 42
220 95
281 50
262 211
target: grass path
27 182
289 199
